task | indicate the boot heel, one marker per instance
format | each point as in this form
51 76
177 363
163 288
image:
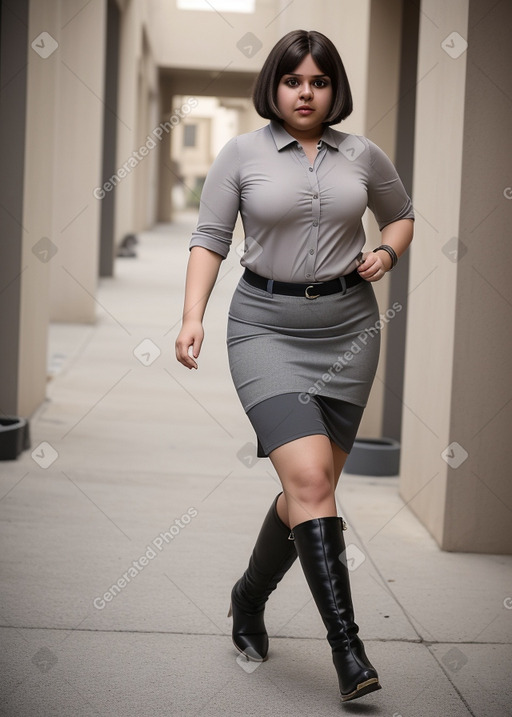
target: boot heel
230 611
363 689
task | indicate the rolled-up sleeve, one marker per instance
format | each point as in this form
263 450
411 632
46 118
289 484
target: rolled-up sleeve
387 197
220 202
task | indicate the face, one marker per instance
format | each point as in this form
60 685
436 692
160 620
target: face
304 98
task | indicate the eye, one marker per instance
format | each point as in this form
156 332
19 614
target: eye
291 82
321 83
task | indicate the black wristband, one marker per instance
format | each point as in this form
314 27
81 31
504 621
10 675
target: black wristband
390 251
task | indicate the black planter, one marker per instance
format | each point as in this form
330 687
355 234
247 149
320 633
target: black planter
374 457
14 437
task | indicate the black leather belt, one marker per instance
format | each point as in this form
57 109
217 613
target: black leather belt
310 291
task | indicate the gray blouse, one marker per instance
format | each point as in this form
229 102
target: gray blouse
302 223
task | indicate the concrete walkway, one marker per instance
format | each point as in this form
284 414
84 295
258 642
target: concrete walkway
126 524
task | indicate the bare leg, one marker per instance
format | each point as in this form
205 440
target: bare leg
308 469
339 457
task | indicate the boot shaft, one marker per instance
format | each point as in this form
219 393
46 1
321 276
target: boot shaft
272 556
321 548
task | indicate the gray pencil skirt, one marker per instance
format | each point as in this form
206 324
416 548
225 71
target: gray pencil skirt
303 366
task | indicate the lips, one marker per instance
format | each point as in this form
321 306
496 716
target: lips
304 110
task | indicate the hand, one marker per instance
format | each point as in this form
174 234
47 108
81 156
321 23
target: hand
374 265
190 337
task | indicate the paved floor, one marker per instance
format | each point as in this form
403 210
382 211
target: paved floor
124 527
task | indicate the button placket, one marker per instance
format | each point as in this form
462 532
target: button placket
312 249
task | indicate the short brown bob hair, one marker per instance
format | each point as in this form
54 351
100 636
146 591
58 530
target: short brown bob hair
286 56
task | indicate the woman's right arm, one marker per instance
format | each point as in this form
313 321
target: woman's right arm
203 268
210 243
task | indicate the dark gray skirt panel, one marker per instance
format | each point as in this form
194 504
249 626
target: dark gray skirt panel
284 418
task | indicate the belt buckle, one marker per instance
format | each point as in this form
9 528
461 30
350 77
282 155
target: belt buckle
308 296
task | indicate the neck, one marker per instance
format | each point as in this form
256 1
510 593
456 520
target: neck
311 135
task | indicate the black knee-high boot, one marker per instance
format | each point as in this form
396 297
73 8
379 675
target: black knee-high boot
273 554
319 544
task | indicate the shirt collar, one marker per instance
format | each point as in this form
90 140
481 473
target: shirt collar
283 139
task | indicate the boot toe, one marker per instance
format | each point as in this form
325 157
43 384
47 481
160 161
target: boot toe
253 647
249 634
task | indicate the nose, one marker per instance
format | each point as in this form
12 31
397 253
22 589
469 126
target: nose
306 91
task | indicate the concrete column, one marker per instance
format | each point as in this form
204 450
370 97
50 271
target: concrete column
128 111
382 81
13 80
107 210
146 116
399 278
78 159
30 56
455 472
167 173
168 169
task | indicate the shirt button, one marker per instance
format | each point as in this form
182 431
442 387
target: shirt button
299 146
311 169
311 251
315 224
315 196
308 276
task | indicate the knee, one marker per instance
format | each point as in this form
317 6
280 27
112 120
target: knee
312 485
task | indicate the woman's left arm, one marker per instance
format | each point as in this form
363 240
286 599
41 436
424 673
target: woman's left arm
398 235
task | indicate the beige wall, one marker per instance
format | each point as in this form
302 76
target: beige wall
77 158
458 384
433 278
479 492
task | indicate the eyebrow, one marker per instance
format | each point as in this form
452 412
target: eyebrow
295 74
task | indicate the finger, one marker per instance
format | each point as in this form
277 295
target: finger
371 267
377 275
368 271
195 347
183 356
191 354
367 263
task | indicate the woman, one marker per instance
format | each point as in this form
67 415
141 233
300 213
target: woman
300 349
